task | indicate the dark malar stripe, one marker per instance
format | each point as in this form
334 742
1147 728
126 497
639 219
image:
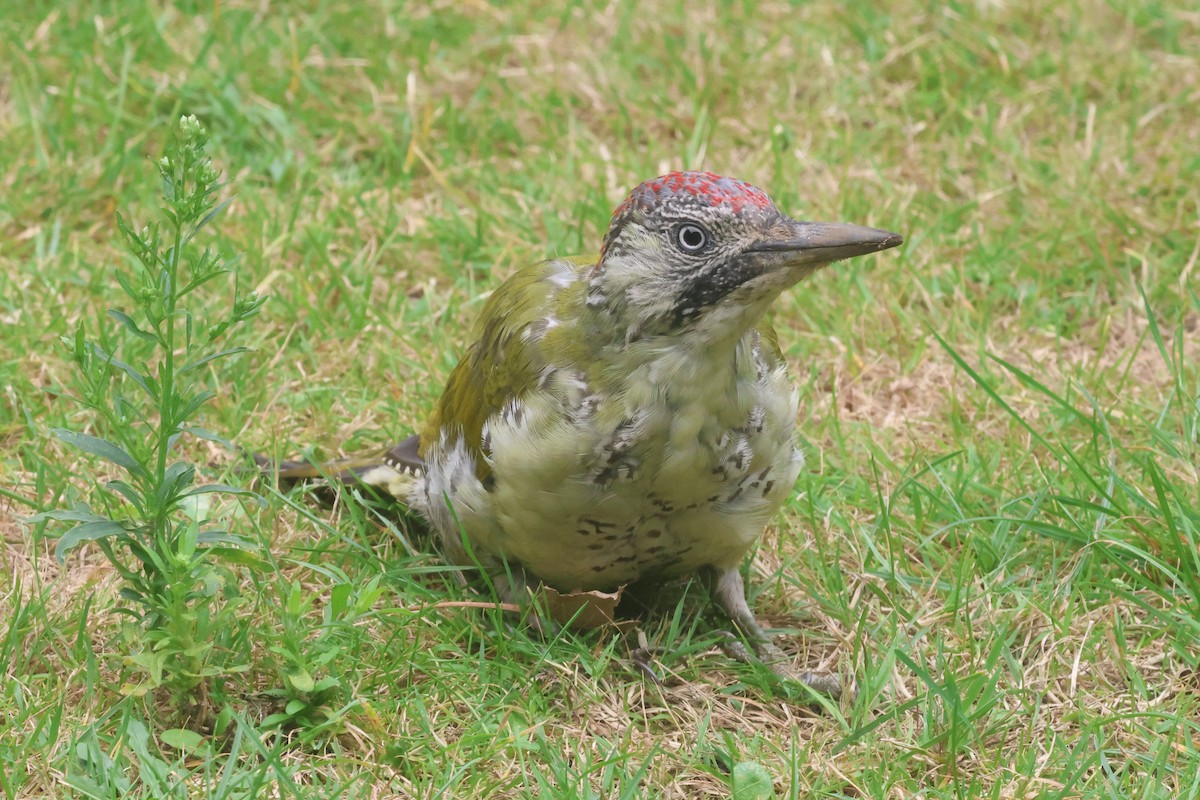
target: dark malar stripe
708 287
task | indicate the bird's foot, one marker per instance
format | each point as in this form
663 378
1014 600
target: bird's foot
828 684
643 658
735 648
729 593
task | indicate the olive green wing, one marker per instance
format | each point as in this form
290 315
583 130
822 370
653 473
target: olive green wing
503 361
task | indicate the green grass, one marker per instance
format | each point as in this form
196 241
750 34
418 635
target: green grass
999 529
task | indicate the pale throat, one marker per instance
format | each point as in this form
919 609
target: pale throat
634 308
714 383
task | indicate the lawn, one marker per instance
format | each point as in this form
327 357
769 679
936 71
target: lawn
998 529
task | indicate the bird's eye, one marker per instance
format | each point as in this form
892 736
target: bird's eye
691 238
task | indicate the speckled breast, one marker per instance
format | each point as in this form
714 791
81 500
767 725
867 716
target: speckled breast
589 495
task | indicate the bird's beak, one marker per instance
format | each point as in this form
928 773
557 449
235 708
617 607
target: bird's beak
822 242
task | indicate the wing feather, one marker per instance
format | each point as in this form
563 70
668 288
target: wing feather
504 360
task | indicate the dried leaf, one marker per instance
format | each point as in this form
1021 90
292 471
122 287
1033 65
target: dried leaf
581 610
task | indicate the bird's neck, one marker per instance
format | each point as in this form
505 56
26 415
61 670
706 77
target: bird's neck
691 368
624 308
628 339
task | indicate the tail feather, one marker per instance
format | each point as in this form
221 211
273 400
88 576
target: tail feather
394 471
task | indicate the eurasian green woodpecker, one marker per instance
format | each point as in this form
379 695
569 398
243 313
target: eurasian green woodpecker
627 416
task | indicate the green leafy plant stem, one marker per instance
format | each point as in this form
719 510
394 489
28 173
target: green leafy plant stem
175 571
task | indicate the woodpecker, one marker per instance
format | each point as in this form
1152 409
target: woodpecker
626 417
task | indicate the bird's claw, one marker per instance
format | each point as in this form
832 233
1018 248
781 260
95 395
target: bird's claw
642 657
828 684
736 649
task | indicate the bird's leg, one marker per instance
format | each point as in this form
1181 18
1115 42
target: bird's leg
728 591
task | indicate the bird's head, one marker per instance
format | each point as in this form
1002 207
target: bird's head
700 252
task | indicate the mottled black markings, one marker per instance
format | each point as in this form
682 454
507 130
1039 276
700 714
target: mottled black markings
736 450
513 414
709 285
585 409
758 479
615 459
